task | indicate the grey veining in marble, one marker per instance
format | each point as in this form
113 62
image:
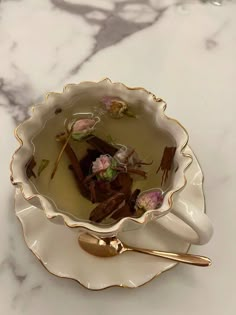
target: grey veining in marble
113 26
112 23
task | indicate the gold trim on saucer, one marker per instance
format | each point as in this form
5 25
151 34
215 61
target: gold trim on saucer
116 285
84 286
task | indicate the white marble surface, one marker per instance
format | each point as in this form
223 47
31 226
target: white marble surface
183 52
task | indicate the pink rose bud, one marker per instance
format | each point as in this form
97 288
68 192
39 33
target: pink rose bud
83 125
150 200
101 164
107 101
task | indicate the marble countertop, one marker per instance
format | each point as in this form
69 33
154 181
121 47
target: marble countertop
183 51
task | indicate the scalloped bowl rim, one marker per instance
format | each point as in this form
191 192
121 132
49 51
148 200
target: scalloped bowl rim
88 225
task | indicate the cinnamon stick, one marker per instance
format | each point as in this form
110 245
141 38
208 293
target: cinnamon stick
123 212
74 162
101 145
129 208
106 207
166 163
75 167
92 190
123 184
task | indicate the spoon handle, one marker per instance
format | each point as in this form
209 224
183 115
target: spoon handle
196 260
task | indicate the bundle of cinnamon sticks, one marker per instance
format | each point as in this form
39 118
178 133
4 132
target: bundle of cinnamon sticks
115 198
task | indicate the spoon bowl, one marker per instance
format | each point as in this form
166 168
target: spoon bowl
101 247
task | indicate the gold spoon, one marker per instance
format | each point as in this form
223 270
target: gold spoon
112 246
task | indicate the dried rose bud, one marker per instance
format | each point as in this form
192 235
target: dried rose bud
83 127
101 163
115 106
103 167
150 200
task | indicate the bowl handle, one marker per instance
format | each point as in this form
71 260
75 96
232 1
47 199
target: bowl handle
188 223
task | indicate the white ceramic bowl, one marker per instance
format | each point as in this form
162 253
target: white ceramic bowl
80 97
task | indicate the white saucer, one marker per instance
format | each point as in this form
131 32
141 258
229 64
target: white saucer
57 248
